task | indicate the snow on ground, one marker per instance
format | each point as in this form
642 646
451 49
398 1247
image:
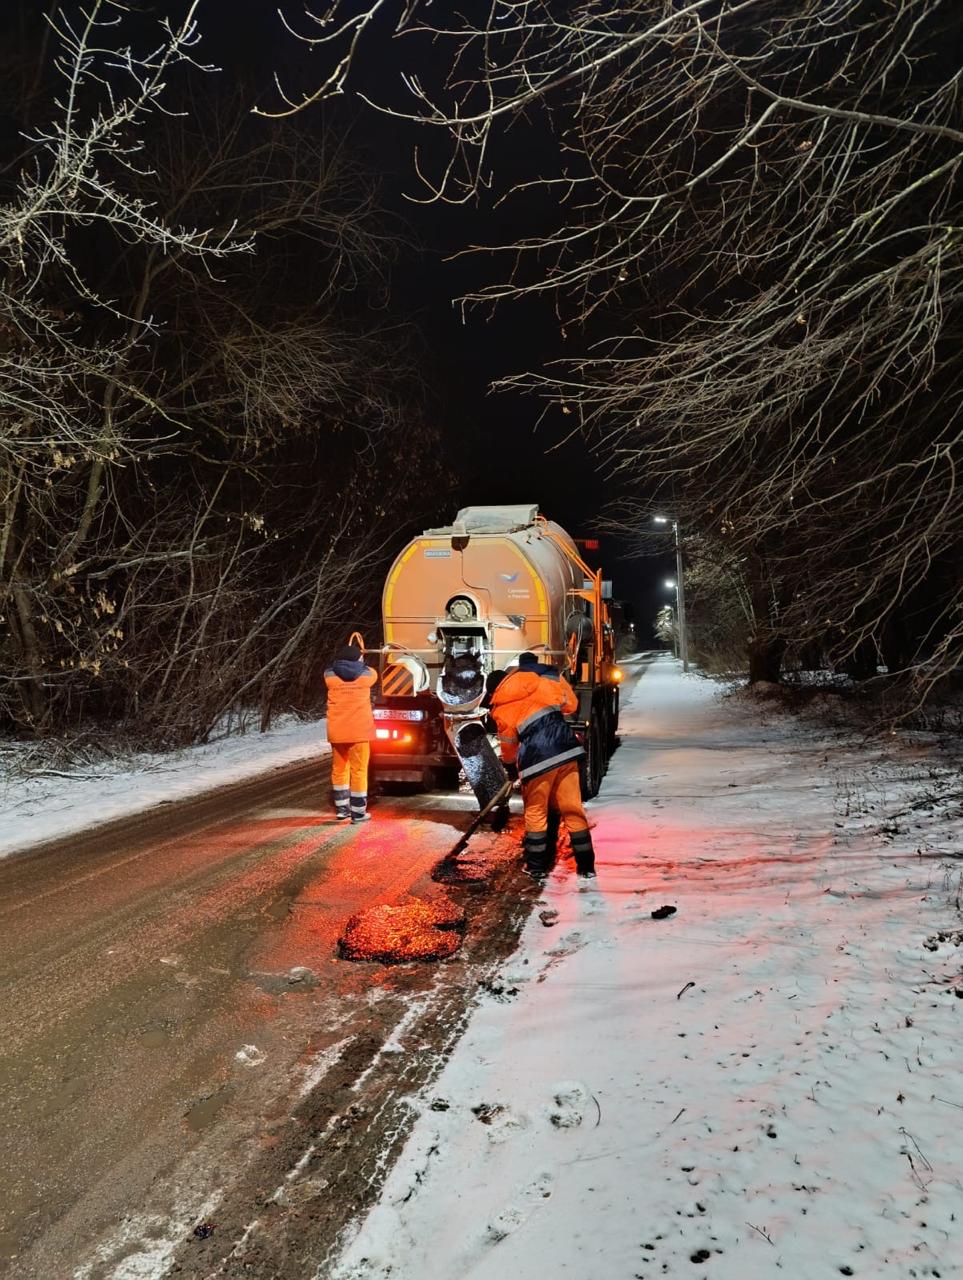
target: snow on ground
45 805
766 1082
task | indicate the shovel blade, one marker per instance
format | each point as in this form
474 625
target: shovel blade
485 772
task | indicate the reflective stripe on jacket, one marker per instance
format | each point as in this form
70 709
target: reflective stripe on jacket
349 702
529 711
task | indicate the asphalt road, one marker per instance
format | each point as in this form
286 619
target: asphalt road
162 1068
192 1082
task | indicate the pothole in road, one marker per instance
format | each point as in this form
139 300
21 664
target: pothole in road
478 865
474 870
396 935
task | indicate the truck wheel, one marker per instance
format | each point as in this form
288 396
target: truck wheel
585 769
613 732
592 764
601 755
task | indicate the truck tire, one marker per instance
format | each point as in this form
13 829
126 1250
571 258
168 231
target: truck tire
592 765
613 726
601 756
601 753
585 769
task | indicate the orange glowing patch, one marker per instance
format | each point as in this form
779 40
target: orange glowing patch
396 935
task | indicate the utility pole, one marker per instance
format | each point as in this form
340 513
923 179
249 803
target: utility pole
679 591
680 597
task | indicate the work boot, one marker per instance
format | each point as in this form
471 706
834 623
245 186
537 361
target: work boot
342 806
538 857
359 806
581 842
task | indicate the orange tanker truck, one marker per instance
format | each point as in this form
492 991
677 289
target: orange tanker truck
465 600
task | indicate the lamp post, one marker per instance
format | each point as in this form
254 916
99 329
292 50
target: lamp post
679 585
670 585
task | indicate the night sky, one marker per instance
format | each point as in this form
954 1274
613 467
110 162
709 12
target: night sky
500 449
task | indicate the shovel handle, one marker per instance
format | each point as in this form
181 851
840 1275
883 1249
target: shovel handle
473 826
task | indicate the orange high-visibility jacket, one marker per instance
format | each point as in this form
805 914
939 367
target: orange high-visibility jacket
349 702
527 709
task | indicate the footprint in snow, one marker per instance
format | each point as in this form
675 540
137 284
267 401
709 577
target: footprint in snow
567 946
570 1100
500 1122
564 948
501 987
520 1208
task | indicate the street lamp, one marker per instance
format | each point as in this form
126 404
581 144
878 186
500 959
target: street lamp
679 585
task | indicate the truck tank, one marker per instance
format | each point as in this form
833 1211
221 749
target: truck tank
493 583
465 599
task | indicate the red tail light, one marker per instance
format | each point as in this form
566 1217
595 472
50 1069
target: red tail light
392 735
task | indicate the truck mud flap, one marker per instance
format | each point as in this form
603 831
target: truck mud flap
485 772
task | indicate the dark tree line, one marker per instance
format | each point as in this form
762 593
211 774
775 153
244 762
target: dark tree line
205 398
757 261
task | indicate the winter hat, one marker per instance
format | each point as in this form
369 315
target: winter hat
527 661
350 653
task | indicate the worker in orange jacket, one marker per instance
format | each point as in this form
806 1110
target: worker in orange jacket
351 729
529 706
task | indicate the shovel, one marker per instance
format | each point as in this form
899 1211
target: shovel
499 798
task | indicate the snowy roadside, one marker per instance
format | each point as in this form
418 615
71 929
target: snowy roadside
44 806
764 1082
